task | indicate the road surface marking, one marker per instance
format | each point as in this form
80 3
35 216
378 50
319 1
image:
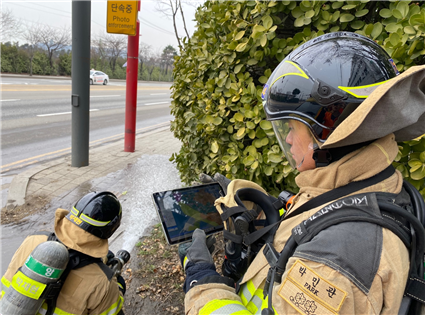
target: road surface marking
64 113
63 151
159 94
104 95
148 104
12 100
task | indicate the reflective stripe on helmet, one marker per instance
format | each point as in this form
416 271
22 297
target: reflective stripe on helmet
361 91
228 307
290 69
89 220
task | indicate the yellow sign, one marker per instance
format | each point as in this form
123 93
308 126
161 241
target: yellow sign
122 17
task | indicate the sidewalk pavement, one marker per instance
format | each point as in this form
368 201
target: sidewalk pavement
57 177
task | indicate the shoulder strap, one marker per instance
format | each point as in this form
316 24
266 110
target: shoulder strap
342 191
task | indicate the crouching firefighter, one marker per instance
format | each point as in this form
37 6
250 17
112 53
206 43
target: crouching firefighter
352 242
64 272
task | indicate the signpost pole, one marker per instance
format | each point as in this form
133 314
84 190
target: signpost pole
80 99
131 89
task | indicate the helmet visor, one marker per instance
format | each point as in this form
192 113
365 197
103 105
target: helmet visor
296 141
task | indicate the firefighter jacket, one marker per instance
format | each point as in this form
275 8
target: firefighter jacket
87 290
349 268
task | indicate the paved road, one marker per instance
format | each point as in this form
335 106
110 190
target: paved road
36 116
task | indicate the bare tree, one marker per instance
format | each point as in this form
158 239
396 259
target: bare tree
9 25
110 46
31 36
54 39
170 8
145 51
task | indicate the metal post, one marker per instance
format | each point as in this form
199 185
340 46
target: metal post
80 99
131 90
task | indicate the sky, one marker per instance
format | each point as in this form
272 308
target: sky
156 29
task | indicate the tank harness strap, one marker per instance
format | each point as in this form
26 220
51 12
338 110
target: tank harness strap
392 216
342 191
76 260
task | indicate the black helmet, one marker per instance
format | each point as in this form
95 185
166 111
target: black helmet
98 213
323 81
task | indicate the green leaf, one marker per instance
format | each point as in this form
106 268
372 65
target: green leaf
397 14
357 24
326 15
263 40
337 5
265 125
409 30
403 8
258 29
238 117
239 35
263 80
393 27
214 147
348 7
377 30
385 13
240 133
394 39
361 13
252 61
267 21
346 17
241 47
299 22
238 68
206 25
297 12
309 14
275 158
418 174
217 121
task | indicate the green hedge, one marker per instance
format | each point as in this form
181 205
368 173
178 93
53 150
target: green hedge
219 76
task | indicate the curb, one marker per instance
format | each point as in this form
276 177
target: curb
18 187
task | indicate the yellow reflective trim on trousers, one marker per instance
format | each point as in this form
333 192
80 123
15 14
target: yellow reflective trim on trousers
361 91
228 307
5 284
57 311
113 310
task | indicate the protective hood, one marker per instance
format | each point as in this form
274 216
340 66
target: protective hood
76 238
397 106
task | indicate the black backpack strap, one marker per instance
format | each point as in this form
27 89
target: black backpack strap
342 191
76 260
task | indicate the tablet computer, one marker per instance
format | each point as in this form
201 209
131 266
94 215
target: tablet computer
183 210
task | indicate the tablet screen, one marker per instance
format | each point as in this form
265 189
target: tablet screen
183 210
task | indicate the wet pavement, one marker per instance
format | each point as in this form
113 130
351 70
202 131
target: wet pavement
134 184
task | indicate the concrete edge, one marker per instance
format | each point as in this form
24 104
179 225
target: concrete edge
18 187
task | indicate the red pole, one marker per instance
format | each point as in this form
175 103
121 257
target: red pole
131 89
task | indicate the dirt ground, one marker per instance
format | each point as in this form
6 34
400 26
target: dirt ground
155 278
32 205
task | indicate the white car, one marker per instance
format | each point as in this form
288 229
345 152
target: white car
98 77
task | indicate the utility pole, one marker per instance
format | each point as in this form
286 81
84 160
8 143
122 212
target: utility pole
80 99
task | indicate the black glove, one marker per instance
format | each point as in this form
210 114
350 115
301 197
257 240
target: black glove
109 258
121 284
222 180
198 250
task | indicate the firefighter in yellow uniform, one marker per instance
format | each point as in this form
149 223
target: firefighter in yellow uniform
348 268
91 288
